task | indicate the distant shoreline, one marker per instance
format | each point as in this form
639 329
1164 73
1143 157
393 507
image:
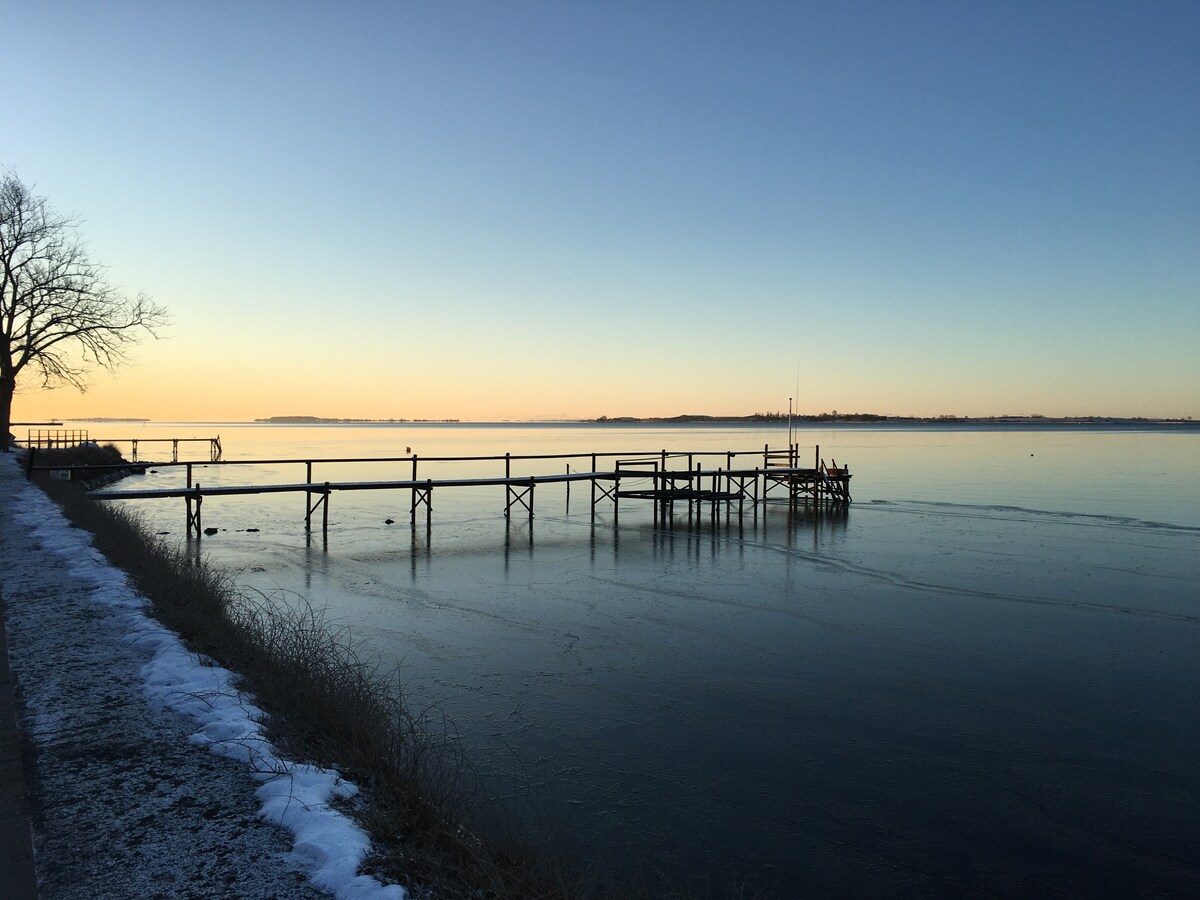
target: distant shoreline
772 419
755 419
108 419
318 420
871 419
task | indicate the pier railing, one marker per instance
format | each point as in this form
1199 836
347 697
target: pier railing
55 438
65 439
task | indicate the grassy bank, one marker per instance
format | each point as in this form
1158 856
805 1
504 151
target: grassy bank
326 704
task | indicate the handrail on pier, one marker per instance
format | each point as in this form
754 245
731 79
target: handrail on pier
63 439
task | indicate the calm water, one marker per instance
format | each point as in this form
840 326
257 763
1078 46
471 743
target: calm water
983 677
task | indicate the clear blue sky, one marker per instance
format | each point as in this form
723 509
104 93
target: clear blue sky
504 210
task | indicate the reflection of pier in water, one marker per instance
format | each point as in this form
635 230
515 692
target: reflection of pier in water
790 526
676 483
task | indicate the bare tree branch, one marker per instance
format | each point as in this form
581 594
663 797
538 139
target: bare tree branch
58 314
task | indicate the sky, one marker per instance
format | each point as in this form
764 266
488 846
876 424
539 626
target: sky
514 210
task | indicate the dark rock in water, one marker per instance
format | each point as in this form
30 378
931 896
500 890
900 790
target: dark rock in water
154 471
164 533
211 530
252 530
389 521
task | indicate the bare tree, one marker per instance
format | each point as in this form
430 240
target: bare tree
58 314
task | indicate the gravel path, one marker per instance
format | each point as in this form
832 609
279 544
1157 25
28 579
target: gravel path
123 801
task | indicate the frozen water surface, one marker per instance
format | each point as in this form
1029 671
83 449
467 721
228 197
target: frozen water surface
983 675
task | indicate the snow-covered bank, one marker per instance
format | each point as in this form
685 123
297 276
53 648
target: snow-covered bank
118 711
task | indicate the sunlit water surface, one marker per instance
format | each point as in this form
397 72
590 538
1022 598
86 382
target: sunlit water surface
983 676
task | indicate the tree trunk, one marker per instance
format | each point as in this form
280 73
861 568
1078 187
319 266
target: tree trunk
7 386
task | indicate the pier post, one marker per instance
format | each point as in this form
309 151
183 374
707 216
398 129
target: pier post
716 484
693 489
194 520
817 487
308 496
422 494
412 511
508 489
325 517
592 481
188 499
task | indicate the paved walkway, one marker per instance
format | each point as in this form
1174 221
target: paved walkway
119 803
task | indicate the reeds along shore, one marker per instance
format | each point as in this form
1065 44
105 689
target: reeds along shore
326 704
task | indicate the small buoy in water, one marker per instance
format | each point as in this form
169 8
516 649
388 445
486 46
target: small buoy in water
389 521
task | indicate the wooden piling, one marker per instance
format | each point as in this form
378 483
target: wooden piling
308 496
325 515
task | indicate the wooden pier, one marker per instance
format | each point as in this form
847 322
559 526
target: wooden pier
667 479
60 439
